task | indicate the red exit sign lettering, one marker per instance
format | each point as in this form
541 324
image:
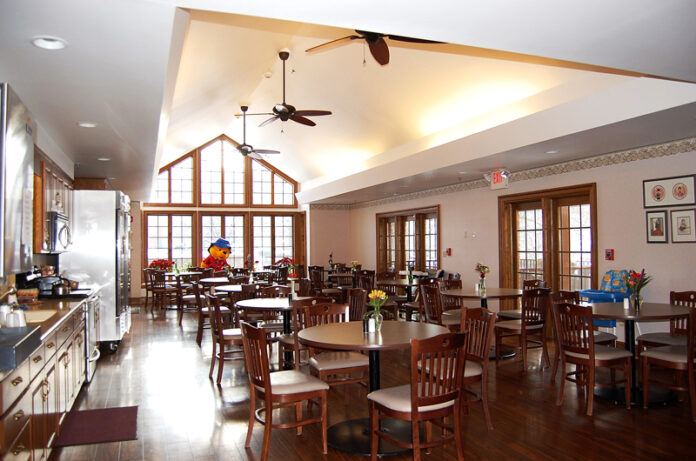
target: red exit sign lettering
499 179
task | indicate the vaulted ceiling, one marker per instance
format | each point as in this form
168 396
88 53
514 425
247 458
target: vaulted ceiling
513 82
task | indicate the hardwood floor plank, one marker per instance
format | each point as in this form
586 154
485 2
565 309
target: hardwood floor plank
183 415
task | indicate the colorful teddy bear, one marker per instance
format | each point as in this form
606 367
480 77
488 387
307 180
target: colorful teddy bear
219 251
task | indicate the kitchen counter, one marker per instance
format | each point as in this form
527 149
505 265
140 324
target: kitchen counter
47 314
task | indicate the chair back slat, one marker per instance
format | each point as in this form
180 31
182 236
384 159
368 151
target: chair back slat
256 356
357 299
276 291
386 276
432 303
533 283
305 288
535 306
238 279
159 280
439 378
565 296
249 290
448 284
325 313
365 281
478 323
216 322
686 299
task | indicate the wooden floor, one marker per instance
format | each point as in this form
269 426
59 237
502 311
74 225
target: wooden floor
183 416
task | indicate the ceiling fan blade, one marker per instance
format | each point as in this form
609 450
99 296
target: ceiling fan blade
312 113
255 155
302 120
410 39
269 121
333 42
266 151
257 113
380 51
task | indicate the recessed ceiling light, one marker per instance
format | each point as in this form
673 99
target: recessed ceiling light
49 43
86 124
552 151
103 159
268 74
463 172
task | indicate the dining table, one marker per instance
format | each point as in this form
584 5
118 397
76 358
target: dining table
352 436
648 312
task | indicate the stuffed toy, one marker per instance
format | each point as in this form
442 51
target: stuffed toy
219 251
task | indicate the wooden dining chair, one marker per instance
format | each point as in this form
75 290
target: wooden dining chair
575 326
163 293
679 359
416 306
365 281
530 328
600 337
357 302
450 302
431 397
224 337
432 303
186 298
204 310
289 342
305 287
147 280
337 368
678 327
478 324
285 388
514 314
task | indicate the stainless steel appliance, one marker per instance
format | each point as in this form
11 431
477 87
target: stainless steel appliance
100 257
17 183
92 319
60 235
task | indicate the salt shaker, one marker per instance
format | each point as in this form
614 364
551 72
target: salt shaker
626 304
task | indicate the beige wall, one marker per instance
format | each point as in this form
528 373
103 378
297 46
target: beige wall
469 225
329 231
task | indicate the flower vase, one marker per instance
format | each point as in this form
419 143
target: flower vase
636 301
482 284
379 318
292 288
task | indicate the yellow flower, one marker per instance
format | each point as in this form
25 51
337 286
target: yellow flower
377 294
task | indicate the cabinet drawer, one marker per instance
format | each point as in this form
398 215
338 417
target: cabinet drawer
15 419
64 330
14 385
20 450
37 360
50 346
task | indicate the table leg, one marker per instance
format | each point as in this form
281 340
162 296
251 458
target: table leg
287 355
505 352
409 294
374 370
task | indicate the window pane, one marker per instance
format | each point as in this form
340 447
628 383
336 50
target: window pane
530 245
283 237
157 232
431 243
261 184
575 246
182 240
283 191
211 173
234 171
262 240
160 193
182 181
211 230
410 242
234 233
391 244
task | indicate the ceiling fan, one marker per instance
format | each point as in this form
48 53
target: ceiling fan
246 149
285 111
376 43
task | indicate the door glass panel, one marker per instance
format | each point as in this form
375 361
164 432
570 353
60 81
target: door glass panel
575 247
530 245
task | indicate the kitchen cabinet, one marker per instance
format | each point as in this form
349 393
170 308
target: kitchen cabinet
53 191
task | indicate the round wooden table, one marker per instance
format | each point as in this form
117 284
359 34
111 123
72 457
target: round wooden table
353 436
649 312
208 281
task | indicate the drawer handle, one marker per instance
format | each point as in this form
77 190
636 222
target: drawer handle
37 359
50 345
17 381
19 415
18 449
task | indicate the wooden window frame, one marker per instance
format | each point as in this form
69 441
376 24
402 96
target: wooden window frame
195 238
548 199
274 171
401 216
223 214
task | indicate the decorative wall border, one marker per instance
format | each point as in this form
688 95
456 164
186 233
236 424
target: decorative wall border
597 161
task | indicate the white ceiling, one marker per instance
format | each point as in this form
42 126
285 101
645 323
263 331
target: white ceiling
159 81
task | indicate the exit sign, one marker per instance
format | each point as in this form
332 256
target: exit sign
499 179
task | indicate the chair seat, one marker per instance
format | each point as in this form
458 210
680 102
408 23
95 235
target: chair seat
603 337
232 333
331 291
337 360
223 309
603 353
516 325
512 314
675 354
274 327
668 339
399 399
294 382
288 339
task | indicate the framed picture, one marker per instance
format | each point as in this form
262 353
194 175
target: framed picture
677 191
683 226
656 226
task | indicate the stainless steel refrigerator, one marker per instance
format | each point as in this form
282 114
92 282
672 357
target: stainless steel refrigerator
100 257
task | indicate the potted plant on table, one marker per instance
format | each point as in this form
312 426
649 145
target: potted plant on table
162 265
636 281
377 298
